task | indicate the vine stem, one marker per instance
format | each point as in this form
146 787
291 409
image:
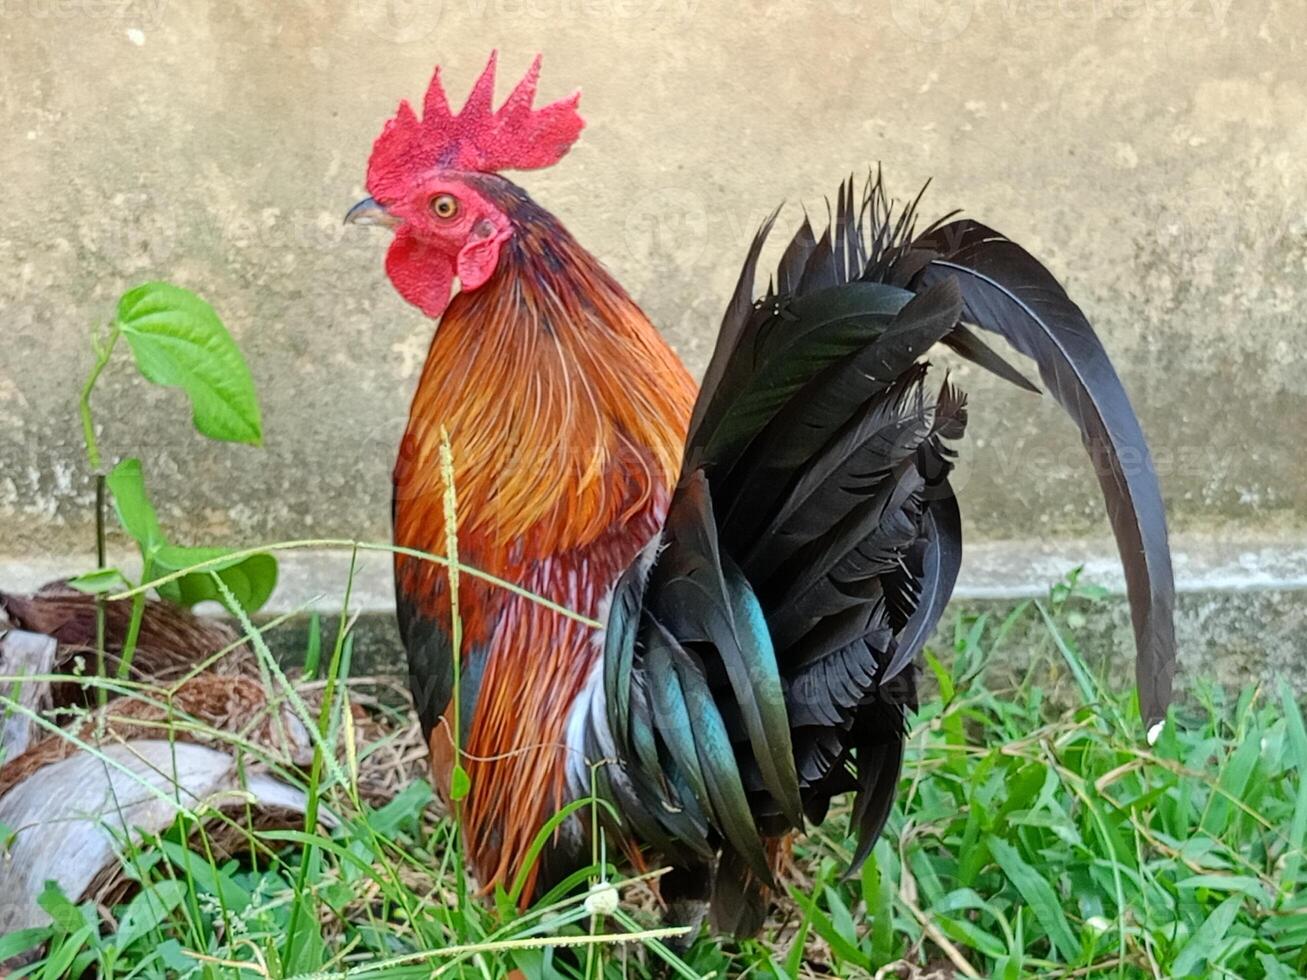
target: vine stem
128 650
103 351
101 489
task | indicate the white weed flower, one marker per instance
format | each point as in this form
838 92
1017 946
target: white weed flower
1098 924
602 900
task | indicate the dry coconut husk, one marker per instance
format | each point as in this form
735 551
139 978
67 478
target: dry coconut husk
207 709
71 818
171 641
24 654
190 739
199 732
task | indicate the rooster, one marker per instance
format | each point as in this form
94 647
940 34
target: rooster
737 577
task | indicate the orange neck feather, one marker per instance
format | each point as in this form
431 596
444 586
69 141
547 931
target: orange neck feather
566 412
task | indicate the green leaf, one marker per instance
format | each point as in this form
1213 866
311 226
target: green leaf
345 854
842 945
1206 938
1023 786
132 502
62 954
840 917
969 933
459 784
100 581
68 918
308 948
546 833
175 957
1236 772
14 943
878 894
251 578
1242 884
1297 840
147 911
1275 970
794 959
1038 894
405 808
942 676
229 892
1088 686
179 341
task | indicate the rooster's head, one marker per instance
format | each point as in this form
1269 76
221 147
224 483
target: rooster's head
431 178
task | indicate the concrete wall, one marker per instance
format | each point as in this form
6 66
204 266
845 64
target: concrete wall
1153 152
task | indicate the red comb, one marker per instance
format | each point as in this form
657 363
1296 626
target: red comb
516 137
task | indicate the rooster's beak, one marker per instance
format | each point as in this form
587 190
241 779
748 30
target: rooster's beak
369 212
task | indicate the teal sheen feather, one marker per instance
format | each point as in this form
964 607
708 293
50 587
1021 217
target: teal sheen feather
720 771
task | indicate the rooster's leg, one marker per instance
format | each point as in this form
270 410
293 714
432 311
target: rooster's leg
686 892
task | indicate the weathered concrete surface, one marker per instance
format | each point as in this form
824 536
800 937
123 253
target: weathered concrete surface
1154 152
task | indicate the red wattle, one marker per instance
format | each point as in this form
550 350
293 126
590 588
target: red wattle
423 275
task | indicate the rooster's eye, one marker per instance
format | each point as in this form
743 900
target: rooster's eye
444 206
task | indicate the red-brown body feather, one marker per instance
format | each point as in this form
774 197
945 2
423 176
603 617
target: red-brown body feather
566 413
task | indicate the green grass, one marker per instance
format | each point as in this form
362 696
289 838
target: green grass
1036 835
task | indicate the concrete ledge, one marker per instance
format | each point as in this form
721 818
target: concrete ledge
316 580
1023 569
1231 638
990 570
1241 614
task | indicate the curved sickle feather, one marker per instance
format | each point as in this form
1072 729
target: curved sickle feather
1009 293
942 526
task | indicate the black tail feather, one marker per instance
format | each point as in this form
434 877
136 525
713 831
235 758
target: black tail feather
1009 293
768 661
